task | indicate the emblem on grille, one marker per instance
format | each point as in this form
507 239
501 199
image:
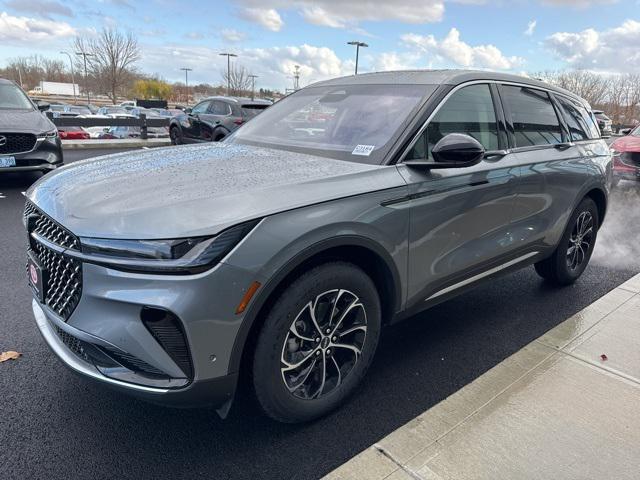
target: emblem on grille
3 140
33 273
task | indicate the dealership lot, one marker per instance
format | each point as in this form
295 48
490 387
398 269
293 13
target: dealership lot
58 426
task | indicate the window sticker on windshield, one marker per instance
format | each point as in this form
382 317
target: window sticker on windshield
364 150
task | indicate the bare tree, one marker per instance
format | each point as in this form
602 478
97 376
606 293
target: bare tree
34 69
110 61
591 86
238 80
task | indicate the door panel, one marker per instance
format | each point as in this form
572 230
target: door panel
459 216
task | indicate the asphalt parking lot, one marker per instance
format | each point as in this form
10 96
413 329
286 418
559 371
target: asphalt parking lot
55 425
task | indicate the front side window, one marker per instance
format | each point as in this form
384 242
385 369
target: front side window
201 107
534 119
357 123
470 111
12 98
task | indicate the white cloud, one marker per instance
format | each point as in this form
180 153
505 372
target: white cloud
615 49
269 18
453 50
41 8
349 13
232 36
274 65
531 26
27 30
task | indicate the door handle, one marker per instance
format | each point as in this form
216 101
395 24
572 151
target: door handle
563 146
497 154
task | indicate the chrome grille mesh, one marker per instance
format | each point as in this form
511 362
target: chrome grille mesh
64 274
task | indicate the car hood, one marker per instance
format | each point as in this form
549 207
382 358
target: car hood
195 190
629 143
24 121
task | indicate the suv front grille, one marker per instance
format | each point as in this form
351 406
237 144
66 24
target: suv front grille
63 286
17 142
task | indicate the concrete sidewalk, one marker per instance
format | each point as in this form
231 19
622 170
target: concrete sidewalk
557 409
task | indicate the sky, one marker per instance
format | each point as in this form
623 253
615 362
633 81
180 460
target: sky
271 36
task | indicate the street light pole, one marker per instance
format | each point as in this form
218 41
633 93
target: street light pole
253 86
228 55
73 79
357 45
84 56
186 81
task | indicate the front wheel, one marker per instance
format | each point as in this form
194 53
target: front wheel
175 135
572 255
317 342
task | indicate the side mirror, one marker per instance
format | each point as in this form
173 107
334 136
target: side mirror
188 111
455 150
625 131
43 106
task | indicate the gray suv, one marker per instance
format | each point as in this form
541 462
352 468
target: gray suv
277 256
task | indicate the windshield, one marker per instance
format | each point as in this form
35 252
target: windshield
352 122
12 98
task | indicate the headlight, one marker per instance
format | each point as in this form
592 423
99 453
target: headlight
48 135
184 255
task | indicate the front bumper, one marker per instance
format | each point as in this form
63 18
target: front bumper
108 316
46 155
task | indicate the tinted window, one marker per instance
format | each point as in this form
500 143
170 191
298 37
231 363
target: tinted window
219 108
252 110
469 110
201 107
534 119
578 127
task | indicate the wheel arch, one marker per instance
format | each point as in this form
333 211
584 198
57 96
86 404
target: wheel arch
600 199
360 251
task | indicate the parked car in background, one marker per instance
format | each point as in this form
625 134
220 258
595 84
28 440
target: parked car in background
62 110
134 132
626 156
114 112
73 133
213 119
167 112
276 256
96 132
604 123
29 141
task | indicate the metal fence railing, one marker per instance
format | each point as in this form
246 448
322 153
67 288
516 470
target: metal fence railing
143 122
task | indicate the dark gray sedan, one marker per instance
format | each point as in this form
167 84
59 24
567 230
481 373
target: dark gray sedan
276 257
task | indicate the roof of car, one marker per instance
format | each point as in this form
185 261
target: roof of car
436 77
257 101
4 80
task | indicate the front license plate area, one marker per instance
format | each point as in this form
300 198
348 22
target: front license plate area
37 277
6 162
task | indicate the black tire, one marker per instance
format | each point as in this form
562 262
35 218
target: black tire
176 135
299 394
567 262
219 137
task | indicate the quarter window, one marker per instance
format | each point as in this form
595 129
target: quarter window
534 119
578 127
469 110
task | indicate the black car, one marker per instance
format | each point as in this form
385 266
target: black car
28 139
604 123
213 119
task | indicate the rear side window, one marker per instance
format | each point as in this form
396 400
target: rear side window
534 119
220 108
576 120
470 111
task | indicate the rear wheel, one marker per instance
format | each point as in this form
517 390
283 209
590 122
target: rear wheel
572 255
317 342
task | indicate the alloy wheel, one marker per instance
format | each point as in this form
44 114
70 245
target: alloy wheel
323 344
580 241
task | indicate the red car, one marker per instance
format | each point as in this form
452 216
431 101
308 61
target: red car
73 133
626 156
